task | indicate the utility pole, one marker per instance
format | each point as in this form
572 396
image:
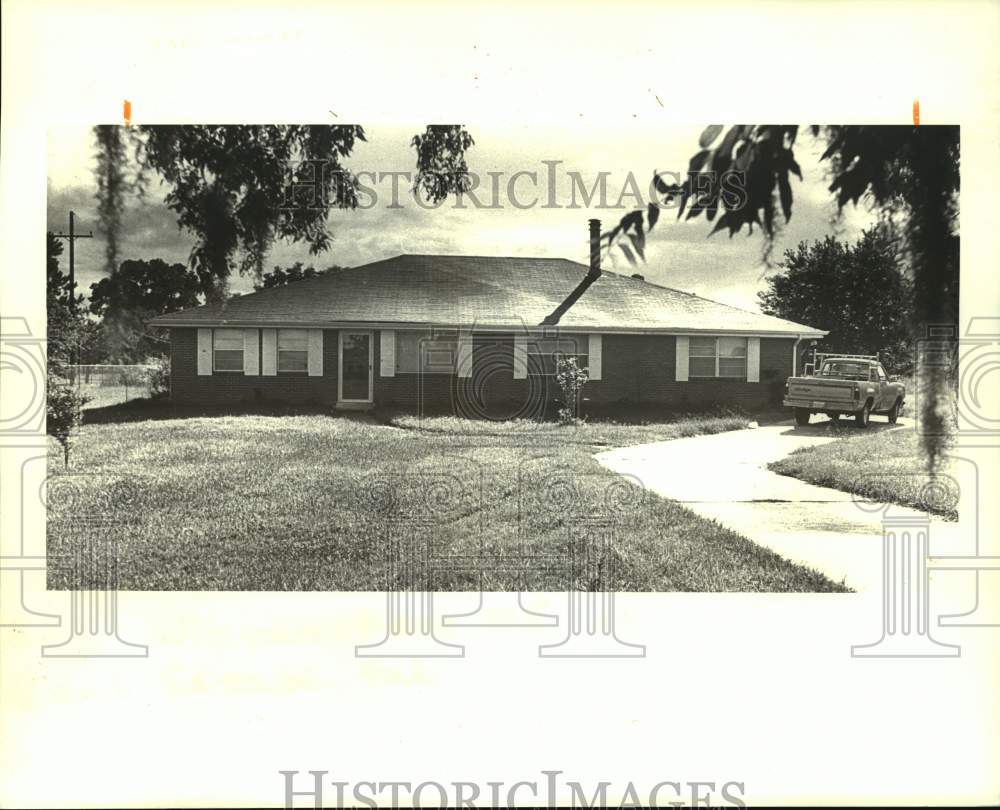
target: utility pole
71 237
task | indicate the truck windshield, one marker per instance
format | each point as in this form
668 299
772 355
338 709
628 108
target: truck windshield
845 370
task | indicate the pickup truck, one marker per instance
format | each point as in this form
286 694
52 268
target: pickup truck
845 385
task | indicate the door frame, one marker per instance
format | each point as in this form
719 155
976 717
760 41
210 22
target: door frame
340 364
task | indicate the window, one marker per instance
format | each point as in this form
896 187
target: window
227 349
426 352
293 350
717 358
544 353
845 369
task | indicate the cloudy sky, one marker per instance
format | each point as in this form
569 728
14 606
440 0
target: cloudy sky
679 254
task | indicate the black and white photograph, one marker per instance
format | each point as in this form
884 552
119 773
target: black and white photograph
483 379
263 424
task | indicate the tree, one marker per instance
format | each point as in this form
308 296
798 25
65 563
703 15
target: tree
134 293
66 325
63 414
856 292
441 166
66 329
910 174
571 379
297 272
237 189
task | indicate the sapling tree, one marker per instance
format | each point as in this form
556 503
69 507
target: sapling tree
64 412
571 379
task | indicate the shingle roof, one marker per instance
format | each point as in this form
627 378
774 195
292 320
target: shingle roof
483 291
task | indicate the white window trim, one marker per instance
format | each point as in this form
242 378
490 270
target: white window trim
251 352
595 356
520 356
205 354
387 353
753 359
314 352
463 354
269 352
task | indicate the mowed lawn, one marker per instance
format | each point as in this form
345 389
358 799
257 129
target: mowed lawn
884 466
312 501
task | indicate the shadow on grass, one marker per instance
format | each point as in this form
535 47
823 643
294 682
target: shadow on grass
842 428
143 410
623 416
771 416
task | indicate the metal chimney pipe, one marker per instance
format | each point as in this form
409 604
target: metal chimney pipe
592 275
595 248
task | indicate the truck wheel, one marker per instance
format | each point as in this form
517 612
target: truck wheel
861 417
894 413
802 416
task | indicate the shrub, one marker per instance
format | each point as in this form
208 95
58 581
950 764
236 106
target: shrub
159 377
570 378
64 405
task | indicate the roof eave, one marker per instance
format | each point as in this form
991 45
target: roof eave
242 323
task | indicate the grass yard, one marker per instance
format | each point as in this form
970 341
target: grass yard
885 466
308 501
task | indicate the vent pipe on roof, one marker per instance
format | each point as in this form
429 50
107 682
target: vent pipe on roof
595 247
593 274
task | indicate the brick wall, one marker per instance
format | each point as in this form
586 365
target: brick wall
491 391
638 371
641 370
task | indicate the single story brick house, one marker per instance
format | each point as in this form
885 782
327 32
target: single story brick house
478 336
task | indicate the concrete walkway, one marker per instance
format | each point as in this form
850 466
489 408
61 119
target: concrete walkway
723 477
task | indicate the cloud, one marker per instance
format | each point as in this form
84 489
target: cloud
148 231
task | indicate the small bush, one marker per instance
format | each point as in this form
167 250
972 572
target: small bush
64 405
570 378
159 377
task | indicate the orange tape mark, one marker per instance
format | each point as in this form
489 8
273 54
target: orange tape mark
916 112
127 111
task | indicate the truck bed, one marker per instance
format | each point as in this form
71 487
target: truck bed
821 392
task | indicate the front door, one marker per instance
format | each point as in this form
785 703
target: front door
355 367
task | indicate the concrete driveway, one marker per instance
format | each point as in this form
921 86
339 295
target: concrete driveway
723 477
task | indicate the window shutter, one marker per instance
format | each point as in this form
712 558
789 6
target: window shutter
463 363
753 359
387 353
251 353
204 352
594 357
315 356
269 352
520 357
682 343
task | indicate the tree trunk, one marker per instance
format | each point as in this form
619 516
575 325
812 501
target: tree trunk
935 252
